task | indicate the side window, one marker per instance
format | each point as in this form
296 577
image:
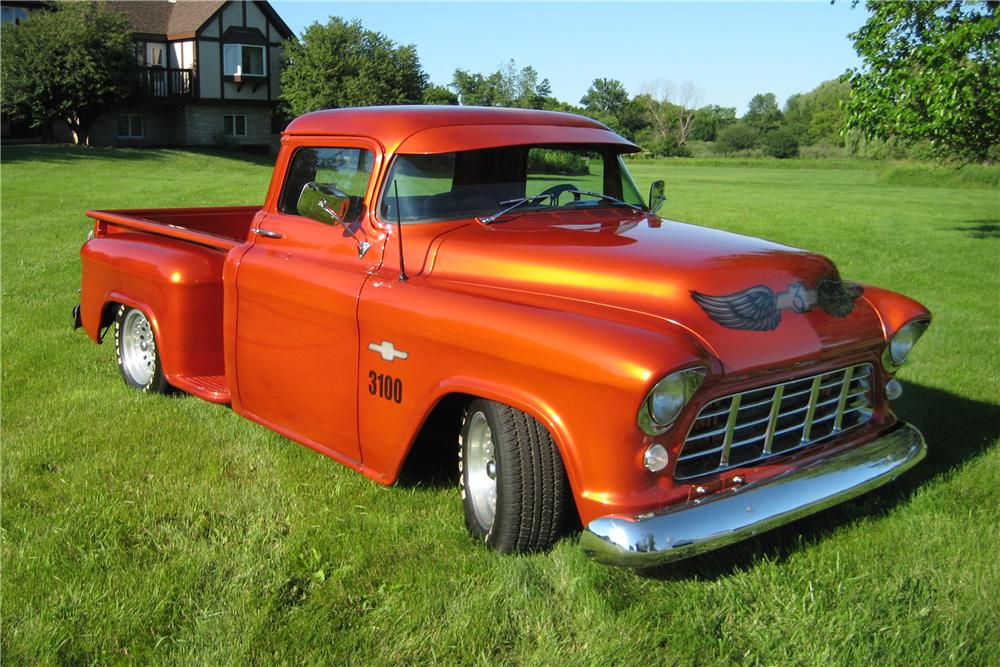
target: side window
347 169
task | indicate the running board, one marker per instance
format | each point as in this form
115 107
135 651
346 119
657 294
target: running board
212 388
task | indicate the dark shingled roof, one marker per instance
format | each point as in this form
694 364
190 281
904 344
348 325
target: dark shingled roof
159 17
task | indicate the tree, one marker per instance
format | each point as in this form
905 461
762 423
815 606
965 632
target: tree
439 95
736 137
818 116
507 87
781 143
670 109
605 96
342 64
929 73
69 65
763 113
609 102
710 120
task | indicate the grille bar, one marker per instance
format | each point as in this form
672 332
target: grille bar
772 418
756 424
727 439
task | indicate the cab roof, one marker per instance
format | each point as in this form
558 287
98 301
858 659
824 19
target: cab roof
443 129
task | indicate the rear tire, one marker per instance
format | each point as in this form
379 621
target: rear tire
512 480
135 345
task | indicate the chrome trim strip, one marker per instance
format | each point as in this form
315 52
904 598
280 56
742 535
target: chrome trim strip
727 440
844 391
813 395
694 527
772 419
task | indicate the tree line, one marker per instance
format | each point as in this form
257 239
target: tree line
927 85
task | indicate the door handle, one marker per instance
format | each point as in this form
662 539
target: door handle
266 232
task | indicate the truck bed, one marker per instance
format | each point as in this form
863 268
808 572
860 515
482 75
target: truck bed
221 227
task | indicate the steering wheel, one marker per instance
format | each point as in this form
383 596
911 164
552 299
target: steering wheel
557 190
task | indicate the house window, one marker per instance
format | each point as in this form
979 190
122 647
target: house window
244 60
130 125
15 15
234 125
157 56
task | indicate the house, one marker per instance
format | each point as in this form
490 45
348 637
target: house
212 75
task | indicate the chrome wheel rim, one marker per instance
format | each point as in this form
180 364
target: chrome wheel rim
481 479
138 347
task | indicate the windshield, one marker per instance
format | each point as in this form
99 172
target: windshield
477 183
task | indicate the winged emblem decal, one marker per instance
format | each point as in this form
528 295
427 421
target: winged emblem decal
759 308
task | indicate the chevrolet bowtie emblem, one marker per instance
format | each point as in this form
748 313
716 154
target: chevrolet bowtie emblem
759 308
387 350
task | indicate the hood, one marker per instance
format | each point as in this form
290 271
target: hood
693 277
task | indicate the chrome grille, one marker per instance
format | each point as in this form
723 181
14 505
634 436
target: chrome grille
748 427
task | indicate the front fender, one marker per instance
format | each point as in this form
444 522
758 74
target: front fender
581 370
894 309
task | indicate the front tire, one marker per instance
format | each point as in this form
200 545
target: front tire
512 480
135 345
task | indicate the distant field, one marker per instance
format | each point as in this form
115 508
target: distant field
147 529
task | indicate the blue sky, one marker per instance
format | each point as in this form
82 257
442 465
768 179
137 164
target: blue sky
730 51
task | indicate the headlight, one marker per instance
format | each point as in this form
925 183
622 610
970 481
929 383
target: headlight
666 400
902 342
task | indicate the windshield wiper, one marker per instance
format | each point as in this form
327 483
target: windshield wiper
510 205
609 198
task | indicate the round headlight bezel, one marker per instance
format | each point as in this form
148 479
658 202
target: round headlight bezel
666 400
898 348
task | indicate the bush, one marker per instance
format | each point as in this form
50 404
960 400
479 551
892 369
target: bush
736 137
542 161
668 148
781 144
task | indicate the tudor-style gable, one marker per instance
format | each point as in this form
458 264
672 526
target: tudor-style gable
208 50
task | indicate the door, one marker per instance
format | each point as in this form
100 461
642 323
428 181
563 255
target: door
297 297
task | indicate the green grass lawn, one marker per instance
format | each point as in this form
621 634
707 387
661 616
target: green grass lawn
149 529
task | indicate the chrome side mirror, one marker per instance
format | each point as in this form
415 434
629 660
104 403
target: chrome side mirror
324 203
656 196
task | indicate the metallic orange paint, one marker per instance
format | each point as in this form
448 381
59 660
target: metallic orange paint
570 315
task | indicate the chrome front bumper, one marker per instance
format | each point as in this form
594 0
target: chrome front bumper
691 528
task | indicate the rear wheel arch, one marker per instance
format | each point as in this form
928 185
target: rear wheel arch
109 311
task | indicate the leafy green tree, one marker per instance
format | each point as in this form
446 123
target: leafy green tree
70 65
439 95
507 87
736 137
763 113
605 96
781 143
341 64
930 73
609 102
709 120
818 116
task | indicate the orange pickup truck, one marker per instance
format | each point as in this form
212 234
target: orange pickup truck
492 281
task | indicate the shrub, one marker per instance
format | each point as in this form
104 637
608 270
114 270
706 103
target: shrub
542 161
781 144
668 148
736 137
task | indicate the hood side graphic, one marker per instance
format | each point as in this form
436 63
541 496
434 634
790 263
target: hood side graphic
759 308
